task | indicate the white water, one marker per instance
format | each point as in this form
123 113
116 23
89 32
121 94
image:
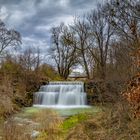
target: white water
61 95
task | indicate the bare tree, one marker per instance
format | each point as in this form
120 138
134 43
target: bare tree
30 59
125 20
81 28
100 36
63 50
8 38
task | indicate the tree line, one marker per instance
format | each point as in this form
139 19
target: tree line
101 41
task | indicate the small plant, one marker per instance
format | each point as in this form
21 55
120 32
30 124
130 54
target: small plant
72 121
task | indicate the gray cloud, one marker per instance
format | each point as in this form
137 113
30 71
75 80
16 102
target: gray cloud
34 18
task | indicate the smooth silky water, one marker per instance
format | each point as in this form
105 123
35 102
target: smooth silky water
61 95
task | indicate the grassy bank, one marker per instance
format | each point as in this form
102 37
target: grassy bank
110 122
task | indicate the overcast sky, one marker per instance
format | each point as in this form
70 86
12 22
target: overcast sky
34 18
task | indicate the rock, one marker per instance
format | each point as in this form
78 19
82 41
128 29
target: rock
35 134
5 122
20 124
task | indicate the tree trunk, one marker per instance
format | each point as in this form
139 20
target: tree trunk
85 65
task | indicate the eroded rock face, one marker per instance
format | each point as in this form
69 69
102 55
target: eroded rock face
100 91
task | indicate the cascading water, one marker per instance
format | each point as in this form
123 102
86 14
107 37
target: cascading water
61 95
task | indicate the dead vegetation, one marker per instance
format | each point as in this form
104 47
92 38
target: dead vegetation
16 131
114 123
6 94
132 93
49 124
48 127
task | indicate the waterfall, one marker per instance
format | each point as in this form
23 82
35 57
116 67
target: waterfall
61 94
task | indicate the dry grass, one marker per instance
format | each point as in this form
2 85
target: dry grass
50 124
90 129
115 123
16 131
49 117
6 94
49 127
